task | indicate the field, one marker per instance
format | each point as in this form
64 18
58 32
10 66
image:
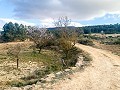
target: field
112 48
107 42
41 70
32 65
107 35
28 63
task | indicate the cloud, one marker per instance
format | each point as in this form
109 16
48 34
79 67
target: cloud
6 20
47 23
76 24
50 23
75 9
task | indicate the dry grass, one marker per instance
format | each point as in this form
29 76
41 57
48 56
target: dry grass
28 63
113 48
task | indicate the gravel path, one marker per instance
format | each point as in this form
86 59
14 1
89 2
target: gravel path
103 74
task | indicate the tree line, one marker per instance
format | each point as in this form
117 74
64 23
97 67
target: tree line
14 31
107 29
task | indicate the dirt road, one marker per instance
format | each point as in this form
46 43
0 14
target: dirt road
103 74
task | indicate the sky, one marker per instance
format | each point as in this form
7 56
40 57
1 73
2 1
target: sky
44 12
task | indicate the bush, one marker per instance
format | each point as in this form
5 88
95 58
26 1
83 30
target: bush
86 41
117 41
22 83
70 58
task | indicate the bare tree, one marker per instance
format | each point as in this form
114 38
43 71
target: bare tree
62 22
66 32
39 36
15 51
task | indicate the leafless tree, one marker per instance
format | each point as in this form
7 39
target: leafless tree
63 21
15 52
39 36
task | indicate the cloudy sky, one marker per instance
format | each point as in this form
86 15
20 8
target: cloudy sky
42 12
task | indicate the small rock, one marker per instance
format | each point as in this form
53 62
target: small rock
30 62
73 68
37 87
58 74
28 87
52 75
48 79
42 79
79 63
38 83
67 70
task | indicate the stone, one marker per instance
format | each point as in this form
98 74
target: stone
37 87
38 83
79 62
67 70
52 75
58 74
48 79
28 87
73 68
80 58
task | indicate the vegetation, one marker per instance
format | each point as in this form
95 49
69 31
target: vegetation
117 41
13 32
86 41
51 65
52 51
66 41
107 29
15 52
40 37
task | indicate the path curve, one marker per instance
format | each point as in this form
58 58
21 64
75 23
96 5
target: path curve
103 74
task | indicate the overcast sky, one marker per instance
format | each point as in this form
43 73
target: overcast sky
42 12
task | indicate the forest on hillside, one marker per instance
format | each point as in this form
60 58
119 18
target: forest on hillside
107 29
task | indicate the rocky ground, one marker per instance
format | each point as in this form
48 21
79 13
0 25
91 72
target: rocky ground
9 72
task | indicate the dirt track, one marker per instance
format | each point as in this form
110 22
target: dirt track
103 74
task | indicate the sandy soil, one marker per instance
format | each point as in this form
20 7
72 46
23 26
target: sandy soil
103 74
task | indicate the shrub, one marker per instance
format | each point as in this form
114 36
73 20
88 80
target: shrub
22 83
117 41
86 41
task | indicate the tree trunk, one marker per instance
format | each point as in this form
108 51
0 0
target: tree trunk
17 62
63 63
39 50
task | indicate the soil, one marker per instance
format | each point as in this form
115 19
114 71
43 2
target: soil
103 74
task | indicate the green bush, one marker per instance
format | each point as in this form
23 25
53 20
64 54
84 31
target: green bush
71 57
117 41
22 83
86 41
